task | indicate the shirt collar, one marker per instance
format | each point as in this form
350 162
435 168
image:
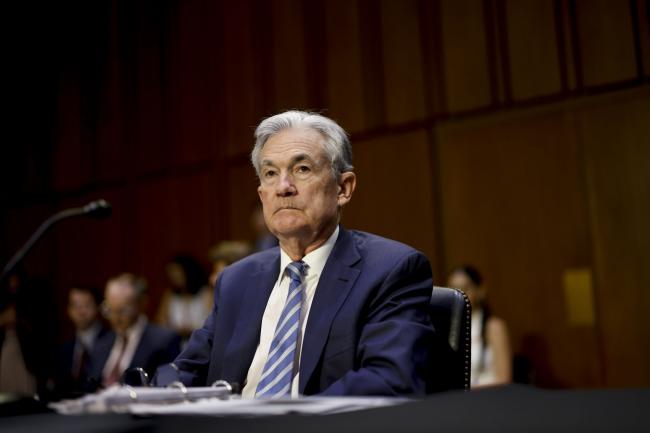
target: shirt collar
315 260
137 328
87 336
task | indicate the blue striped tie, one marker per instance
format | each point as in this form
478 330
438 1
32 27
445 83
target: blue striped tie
278 369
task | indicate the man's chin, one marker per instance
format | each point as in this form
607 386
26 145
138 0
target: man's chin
289 229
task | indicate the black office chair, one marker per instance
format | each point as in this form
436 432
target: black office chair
451 315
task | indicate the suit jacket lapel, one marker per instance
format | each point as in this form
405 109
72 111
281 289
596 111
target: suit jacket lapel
99 355
333 288
140 355
246 335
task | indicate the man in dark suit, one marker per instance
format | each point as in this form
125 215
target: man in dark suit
132 341
329 311
73 365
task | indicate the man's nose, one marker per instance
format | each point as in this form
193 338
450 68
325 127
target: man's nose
286 187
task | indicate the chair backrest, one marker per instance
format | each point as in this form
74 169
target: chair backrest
451 315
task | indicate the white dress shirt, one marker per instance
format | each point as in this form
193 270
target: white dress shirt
84 342
315 262
133 334
86 338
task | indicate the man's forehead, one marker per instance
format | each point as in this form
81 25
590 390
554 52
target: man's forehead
78 293
294 142
119 289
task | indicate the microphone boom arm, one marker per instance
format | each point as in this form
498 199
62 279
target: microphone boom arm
61 215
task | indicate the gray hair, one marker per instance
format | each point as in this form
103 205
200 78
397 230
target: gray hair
337 144
137 282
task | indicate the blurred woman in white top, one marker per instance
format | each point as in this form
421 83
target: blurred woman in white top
491 353
188 300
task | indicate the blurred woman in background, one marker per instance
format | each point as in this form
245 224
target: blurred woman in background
491 354
188 300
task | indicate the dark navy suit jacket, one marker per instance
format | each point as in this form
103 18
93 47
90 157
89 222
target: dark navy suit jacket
158 346
368 331
66 384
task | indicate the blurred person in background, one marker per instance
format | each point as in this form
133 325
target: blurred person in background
188 299
491 354
132 341
226 253
27 330
74 357
15 376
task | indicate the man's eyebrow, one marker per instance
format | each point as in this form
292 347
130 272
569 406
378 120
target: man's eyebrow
267 162
301 157
295 160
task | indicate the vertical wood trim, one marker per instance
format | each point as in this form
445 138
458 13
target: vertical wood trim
491 50
262 36
586 186
432 57
575 46
372 62
647 29
636 33
504 50
643 12
218 175
426 50
315 43
439 262
560 37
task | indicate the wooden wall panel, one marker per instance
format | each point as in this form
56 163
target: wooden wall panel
345 87
606 41
643 20
432 57
615 141
156 103
199 81
465 55
244 92
532 49
238 205
20 224
144 112
403 78
110 146
394 191
88 250
72 163
290 79
513 204
169 216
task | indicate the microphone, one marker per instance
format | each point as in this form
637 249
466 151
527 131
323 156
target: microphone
95 209
98 209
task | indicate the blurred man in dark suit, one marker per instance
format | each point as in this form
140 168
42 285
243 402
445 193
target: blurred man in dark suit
74 358
133 341
330 311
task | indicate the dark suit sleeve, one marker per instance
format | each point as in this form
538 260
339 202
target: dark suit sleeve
172 348
396 335
194 360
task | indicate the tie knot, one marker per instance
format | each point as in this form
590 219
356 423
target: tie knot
296 270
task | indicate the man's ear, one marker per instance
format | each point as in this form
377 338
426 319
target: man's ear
347 183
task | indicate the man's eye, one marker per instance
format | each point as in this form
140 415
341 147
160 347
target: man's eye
303 169
269 173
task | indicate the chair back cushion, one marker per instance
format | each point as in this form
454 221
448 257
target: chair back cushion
450 313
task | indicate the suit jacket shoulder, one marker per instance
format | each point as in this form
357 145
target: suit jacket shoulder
368 329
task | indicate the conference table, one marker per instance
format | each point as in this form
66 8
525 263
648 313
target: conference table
512 408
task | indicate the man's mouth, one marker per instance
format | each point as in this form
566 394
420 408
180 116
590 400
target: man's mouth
285 208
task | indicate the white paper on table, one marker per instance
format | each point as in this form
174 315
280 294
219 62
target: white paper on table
263 407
